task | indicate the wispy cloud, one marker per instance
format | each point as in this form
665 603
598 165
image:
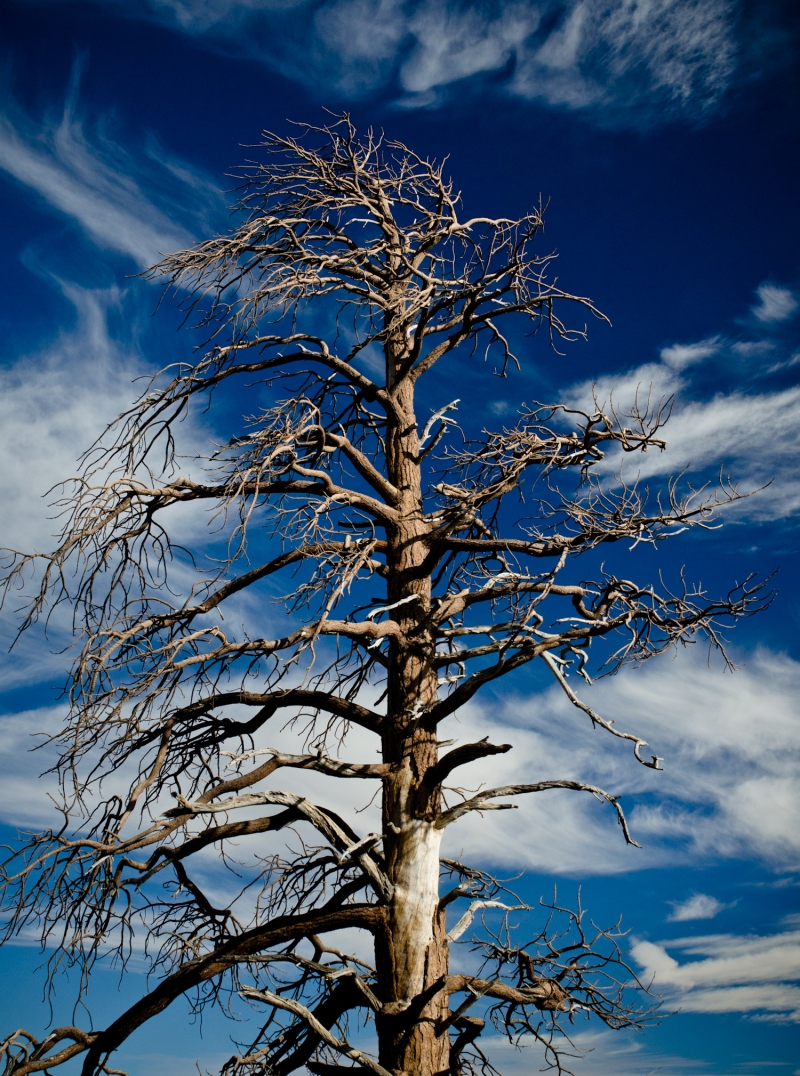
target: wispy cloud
681 54
754 436
600 1053
751 973
24 756
679 356
53 404
56 400
139 205
729 786
634 58
72 180
698 906
774 304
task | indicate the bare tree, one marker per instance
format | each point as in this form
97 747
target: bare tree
408 577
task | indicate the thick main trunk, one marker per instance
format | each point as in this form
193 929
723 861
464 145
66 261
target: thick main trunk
412 956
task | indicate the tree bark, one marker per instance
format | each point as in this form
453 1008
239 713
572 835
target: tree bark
412 954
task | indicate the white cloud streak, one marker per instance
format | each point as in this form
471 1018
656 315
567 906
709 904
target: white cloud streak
729 787
622 57
139 205
21 765
59 165
756 438
53 404
737 974
680 356
753 437
600 1053
685 49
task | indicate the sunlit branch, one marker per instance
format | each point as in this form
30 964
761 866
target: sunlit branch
341 1046
638 742
484 801
328 824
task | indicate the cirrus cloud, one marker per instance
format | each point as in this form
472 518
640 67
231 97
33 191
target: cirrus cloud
138 204
729 787
752 435
623 60
755 974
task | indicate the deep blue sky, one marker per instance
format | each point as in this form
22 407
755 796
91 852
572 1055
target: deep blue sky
665 136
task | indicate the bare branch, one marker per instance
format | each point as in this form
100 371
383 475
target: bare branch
341 1046
638 742
484 801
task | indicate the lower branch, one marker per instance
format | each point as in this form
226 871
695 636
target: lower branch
195 972
342 1046
23 1053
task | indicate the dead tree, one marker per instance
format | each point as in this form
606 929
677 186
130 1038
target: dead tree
407 578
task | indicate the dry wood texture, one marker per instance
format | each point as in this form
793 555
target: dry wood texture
406 580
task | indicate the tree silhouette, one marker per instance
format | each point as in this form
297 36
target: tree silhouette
406 576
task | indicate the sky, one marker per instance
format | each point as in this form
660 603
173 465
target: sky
664 136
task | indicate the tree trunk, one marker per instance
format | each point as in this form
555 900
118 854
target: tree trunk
412 955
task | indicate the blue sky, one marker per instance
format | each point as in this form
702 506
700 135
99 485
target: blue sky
664 133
